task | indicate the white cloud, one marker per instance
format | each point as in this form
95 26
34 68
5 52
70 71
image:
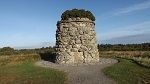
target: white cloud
125 10
136 7
135 29
139 28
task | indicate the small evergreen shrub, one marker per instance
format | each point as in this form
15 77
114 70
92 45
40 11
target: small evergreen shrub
74 13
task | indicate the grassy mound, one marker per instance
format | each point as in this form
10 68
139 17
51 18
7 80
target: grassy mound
27 73
128 72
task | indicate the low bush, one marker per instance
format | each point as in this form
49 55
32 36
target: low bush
146 54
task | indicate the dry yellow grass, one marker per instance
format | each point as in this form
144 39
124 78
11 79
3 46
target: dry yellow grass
17 59
127 54
141 57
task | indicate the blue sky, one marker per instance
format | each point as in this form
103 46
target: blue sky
32 22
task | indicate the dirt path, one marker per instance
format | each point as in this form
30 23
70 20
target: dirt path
84 74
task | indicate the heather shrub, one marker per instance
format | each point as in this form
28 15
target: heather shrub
74 13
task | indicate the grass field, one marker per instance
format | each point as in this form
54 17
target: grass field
142 57
28 73
20 69
128 72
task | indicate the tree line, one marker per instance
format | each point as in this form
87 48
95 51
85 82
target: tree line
12 51
101 47
124 47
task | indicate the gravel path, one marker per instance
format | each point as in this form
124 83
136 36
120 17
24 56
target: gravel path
84 74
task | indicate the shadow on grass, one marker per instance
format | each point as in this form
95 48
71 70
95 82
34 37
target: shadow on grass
48 56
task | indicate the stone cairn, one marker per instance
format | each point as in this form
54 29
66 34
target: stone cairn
76 41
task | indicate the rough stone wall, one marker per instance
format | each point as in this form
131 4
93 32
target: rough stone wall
76 41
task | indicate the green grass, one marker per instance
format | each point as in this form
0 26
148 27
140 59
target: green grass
28 73
128 72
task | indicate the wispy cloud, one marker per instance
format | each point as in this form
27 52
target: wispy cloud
126 10
135 7
135 29
139 38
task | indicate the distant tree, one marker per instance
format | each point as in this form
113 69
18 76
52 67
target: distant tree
6 49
